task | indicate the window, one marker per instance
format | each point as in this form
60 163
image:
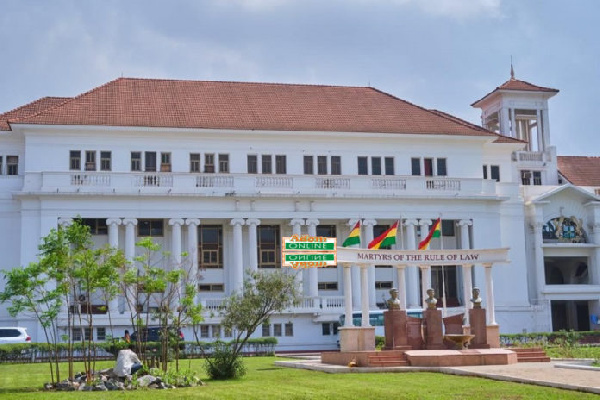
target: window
150 160
252 164
363 165
224 163
375 165
448 226
136 160
105 161
269 246
326 328
289 329
78 331
308 165
495 172
441 167
204 330
266 330
216 331
97 225
531 178
428 166
1 165
280 165
389 165
277 330
227 332
212 287
75 160
12 165
150 227
383 284
210 246
415 166
336 165
267 167
485 172
165 162
328 285
322 165
101 333
209 163
194 162
90 160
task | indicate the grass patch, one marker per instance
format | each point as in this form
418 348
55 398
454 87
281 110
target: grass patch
264 380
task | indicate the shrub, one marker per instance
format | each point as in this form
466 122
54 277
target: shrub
223 363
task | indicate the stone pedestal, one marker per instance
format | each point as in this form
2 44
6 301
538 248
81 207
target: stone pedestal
394 322
434 336
478 328
357 338
493 336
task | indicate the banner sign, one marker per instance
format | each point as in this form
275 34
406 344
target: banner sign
304 251
422 257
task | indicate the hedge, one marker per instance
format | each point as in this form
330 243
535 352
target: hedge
549 338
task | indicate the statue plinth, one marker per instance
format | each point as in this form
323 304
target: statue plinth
394 322
477 320
434 338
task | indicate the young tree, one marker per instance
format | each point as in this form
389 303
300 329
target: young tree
264 294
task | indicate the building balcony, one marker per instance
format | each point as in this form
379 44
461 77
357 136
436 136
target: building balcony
321 304
246 185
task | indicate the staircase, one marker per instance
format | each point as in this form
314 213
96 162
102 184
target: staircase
533 354
388 361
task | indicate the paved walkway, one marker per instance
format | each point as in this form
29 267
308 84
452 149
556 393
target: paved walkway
559 374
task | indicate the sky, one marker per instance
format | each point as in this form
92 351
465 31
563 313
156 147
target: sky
440 54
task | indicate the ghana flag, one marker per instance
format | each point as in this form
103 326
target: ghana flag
436 231
354 237
387 238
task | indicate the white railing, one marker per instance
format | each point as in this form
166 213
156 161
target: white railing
90 180
307 304
332 183
214 181
274 182
443 184
153 180
250 185
531 156
388 183
212 304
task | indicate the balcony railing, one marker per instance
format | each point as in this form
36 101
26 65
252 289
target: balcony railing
308 304
251 185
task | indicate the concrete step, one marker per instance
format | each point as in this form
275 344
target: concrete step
391 363
543 358
533 354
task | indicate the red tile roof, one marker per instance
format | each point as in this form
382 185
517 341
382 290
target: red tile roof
29 109
247 106
518 85
580 170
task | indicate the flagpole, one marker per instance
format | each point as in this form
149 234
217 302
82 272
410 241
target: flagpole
444 310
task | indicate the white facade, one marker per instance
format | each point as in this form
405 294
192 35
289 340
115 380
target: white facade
478 213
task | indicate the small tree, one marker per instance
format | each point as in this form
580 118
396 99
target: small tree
264 294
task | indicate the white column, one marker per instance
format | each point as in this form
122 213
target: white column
412 276
348 295
425 269
546 126
313 273
401 271
539 260
369 223
364 285
237 271
192 243
467 289
540 133
252 243
113 242
296 224
489 283
513 132
130 224
355 272
176 224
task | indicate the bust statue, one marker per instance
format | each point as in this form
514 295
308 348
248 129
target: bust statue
394 302
476 300
431 301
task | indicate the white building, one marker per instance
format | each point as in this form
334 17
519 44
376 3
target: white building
223 170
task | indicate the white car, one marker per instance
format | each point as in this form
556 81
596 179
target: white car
14 335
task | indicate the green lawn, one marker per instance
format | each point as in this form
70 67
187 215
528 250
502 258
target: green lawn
266 381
